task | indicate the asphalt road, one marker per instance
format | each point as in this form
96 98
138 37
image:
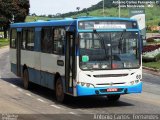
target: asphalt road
39 103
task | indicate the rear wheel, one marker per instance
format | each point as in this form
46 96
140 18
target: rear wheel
113 97
59 91
25 79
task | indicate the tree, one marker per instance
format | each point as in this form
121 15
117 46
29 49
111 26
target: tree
18 9
78 8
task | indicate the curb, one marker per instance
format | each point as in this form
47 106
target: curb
152 71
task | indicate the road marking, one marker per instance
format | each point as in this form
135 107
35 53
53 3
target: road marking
73 113
56 106
41 100
19 89
13 85
28 94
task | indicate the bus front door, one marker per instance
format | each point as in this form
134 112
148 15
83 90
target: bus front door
70 62
18 53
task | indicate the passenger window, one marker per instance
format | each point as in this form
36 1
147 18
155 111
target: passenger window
59 37
46 42
30 39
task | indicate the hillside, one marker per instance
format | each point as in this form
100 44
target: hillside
152 14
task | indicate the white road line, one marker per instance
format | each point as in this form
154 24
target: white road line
20 90
73 113
28 94
13 85
56 106
41 100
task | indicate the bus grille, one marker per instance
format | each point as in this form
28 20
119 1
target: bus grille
110 84
111 75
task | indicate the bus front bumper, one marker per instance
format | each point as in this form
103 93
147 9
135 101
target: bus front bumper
85 91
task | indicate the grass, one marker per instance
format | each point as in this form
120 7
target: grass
155 65
35 18
4 42
152 16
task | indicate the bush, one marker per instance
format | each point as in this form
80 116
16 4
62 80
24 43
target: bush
147 59
150 40
149 48
157 58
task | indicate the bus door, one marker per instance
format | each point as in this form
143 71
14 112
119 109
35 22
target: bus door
70 61
18 52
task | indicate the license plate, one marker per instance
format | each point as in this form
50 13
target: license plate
112 89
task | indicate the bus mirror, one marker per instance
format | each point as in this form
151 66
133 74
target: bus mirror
85 58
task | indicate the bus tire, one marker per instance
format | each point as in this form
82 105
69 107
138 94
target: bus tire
26 79
59 91
113 97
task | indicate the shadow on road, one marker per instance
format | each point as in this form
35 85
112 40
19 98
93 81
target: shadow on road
71 102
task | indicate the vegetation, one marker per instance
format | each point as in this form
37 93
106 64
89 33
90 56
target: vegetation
4 42
152 16
155 65
35 18
12 10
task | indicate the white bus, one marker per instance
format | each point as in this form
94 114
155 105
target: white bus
79 57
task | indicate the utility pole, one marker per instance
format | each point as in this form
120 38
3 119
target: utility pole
119 8
103 7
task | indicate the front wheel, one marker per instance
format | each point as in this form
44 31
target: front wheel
113 97
59 91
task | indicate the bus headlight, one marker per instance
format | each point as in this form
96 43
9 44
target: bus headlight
132 82
136 81
89 85
82 83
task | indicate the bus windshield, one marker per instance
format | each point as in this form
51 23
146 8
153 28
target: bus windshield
109 50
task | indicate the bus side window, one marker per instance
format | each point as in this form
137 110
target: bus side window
30 39
46 41
13 38
59 37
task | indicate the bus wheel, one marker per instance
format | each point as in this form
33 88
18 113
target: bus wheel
59 91
25 79
113 97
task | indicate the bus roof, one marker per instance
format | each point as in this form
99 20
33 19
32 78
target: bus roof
65 22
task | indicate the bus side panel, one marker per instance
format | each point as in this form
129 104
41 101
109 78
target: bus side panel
49 68
32 61
34 75
47 80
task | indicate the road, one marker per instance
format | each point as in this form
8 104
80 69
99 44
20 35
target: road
39 103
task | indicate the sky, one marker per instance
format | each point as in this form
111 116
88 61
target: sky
41 7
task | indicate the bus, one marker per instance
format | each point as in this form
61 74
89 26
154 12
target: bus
85 56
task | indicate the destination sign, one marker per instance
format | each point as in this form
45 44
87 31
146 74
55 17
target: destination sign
109 26
116 24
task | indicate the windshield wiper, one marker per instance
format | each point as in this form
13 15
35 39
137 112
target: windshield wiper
120 40
102 41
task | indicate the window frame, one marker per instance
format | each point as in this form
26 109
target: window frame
63 41
52 37
11 31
